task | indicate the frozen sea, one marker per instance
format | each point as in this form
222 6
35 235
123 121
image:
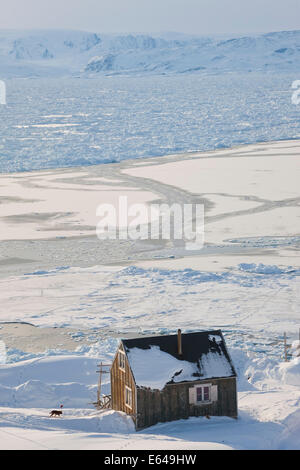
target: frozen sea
55 123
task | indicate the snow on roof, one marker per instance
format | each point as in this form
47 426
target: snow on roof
154 368
155 362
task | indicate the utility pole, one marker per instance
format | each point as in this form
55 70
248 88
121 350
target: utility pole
101 371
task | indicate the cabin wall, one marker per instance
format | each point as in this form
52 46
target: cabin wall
172 403
119 380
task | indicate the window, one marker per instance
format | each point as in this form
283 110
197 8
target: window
128 397
203 394
122 360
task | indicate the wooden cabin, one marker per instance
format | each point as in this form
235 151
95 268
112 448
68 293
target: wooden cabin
166 378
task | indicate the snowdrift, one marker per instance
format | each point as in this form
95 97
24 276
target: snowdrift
290 372
49 382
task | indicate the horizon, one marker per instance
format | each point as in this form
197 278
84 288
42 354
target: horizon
150 33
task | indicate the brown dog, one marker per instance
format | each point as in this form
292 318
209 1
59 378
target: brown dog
56 412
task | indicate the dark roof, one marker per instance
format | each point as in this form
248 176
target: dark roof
205 349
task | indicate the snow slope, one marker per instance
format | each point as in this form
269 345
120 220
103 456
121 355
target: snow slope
47 382
268 411
26 53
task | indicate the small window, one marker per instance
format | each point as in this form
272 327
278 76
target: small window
121 360
203 394
128 397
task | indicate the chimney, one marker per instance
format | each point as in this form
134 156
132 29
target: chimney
179 343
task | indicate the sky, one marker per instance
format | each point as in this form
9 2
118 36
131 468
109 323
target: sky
187 16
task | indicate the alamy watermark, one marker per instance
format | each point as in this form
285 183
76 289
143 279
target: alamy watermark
173 223
296 93
2 92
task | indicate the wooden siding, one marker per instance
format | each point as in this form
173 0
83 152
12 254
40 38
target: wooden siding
119 380
172 403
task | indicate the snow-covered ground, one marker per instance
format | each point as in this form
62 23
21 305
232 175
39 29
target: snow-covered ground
250 194
245 281
41 215
268 410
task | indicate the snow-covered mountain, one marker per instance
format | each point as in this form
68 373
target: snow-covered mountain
36 53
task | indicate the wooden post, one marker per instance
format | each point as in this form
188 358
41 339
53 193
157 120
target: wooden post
99 385
100 403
